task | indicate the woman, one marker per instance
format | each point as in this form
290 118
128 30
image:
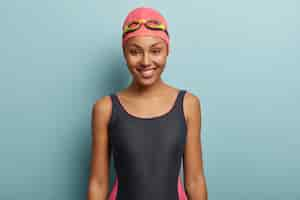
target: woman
149 126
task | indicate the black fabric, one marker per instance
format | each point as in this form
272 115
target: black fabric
147 152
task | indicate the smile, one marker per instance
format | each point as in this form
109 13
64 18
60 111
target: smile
146 73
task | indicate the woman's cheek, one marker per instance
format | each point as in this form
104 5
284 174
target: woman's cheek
160 61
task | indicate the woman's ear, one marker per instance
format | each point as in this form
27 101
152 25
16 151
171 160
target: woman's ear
124 51
168 50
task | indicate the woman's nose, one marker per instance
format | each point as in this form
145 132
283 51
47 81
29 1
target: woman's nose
145 60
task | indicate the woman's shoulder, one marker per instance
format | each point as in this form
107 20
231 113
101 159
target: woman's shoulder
191 104
102 107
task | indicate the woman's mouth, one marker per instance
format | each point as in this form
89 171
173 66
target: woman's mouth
146 73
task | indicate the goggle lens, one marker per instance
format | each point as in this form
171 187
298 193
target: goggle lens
154 24
133 25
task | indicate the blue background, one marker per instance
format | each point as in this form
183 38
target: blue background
241 58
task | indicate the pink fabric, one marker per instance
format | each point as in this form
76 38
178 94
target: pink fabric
145 13
180 189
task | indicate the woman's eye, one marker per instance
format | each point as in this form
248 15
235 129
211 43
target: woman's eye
134 52
156 51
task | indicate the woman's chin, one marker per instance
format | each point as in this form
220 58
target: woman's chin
146 81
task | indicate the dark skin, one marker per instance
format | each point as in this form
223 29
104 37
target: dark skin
145 52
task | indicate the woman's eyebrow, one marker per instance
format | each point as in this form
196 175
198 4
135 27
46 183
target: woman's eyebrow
156 44
133 44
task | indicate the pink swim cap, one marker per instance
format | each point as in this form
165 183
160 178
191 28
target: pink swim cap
145 13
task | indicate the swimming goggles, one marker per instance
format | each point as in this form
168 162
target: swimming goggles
150 24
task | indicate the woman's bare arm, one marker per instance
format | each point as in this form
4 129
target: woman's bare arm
194 179
98 186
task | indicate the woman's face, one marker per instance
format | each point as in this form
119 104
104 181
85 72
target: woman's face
146 57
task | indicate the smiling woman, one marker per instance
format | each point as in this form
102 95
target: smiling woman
150 126
146 57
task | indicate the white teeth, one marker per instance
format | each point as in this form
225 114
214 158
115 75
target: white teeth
147 73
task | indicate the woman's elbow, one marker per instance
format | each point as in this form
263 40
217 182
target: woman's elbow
197 189
97 190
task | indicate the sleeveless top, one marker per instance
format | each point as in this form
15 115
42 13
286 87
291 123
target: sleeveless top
147 152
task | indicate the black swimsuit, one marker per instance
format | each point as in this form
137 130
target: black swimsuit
147 152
